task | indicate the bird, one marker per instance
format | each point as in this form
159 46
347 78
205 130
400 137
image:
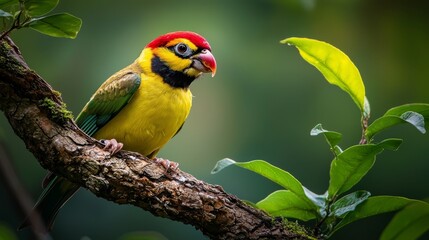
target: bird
139 108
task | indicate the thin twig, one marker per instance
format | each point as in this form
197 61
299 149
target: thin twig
20 196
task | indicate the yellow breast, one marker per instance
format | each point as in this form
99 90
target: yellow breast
151 118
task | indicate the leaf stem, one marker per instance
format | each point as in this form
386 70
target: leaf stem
364 123
16 24
318 226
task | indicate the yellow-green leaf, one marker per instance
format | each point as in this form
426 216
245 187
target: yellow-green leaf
335 66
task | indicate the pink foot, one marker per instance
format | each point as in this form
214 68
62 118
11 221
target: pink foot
167 164
112 146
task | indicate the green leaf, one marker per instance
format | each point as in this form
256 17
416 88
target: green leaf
37 8
7 3
408 224
319 200
9 6
284 203
350 166
220 165
387 121
374 206
422 108
335 66
273 173
57 25
5 14
333 138
348 203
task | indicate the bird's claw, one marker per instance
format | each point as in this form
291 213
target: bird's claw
167 164
112 146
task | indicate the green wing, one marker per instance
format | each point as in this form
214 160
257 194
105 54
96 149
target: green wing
108 100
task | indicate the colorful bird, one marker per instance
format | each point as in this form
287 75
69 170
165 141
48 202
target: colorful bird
139 108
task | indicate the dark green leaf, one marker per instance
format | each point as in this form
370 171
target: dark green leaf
350 166
284 203
387 121
333 138
348 203
7 3
408 224
58 25
374 206
37 8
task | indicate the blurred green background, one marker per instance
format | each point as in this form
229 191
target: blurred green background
261 104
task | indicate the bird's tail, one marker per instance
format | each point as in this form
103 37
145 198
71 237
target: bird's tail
56 193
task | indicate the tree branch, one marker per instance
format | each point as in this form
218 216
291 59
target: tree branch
38 117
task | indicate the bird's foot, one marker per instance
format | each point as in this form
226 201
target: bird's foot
167 164
112 146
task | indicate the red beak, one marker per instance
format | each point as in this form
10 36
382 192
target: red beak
208 61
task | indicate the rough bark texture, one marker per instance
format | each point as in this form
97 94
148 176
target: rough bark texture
37 115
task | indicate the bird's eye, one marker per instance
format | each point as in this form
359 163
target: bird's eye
182 50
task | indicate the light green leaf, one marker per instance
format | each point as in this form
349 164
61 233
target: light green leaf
5 14
350 166
335 66
57 25
221 164
319 200
374 206
387 121
415 119
348 203
284 203
333 138
408 224
37 8
273 173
